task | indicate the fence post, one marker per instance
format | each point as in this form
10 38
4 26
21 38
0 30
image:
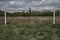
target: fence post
5 18
53 17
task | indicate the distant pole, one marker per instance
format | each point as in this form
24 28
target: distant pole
5 18
23 11
53 17
29 10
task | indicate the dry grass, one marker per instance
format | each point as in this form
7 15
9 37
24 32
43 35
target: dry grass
30 19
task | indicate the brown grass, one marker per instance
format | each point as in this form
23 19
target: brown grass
30 19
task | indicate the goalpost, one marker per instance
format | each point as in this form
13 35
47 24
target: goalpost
5 19
53 18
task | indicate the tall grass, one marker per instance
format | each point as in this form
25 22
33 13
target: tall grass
27 31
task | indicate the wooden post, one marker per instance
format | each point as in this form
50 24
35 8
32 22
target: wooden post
5 18
53 17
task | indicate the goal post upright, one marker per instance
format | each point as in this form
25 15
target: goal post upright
54 17
5 19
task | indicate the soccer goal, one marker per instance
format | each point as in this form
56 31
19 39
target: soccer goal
12 18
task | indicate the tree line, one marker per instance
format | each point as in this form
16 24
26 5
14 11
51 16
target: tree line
33 13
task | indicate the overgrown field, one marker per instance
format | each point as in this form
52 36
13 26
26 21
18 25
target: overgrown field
30 28
28 31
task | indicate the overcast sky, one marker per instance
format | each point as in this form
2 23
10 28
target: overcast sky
25 4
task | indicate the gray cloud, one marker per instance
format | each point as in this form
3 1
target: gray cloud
34 4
